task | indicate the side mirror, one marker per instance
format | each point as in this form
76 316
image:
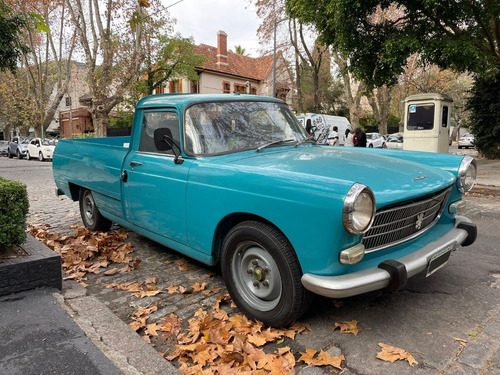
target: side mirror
163 139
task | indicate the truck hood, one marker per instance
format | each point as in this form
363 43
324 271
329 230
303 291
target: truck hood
388 177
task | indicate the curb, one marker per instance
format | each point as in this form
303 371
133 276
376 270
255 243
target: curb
115 339
40 268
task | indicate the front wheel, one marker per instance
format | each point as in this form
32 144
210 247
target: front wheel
19 155
40 156
28 156
262 274
91 217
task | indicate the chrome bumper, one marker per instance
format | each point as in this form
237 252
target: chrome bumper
376 278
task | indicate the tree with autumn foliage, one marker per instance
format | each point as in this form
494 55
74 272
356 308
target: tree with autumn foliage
111 36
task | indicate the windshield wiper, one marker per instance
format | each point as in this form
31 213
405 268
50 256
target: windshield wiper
308 139
274 143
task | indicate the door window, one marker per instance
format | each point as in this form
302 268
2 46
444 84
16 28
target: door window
156 120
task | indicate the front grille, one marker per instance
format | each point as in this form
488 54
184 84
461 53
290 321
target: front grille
401 223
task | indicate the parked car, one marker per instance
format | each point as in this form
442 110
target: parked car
18 147
466 140
41 148
320 126
4 146
395 141
236 181
375 140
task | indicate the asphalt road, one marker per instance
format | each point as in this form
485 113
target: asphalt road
461 301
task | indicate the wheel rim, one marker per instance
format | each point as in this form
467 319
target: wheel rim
256 276
27 155
88 208
40 156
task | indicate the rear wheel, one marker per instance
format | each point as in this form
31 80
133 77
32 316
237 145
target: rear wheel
91 217
262 274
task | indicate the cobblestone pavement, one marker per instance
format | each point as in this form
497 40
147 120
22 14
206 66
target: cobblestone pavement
428 318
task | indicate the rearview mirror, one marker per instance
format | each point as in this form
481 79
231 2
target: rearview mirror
163 139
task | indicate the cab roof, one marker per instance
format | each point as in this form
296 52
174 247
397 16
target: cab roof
181 101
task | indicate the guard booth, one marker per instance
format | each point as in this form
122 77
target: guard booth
426 122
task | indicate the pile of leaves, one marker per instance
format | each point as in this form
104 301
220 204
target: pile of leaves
219 343
88 252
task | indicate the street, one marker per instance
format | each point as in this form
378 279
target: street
449 322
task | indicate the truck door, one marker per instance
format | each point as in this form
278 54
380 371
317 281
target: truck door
153 186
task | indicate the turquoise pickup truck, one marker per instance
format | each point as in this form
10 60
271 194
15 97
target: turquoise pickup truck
235 180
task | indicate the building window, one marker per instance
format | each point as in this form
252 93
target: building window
242 89
160 89
175 86
253 90
226 87
194 87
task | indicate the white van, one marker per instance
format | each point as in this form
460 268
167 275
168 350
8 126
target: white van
321 125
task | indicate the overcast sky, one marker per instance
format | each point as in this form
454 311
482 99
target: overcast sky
201 19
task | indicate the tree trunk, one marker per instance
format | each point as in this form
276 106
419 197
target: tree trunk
380 102
101 121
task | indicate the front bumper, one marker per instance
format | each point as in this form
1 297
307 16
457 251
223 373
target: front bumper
377 278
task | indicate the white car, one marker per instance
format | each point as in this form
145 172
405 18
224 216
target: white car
466 140
375 140
395 141
41 148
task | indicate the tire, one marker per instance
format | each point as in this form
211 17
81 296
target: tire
19 155
459 147
262 274
28 156
370 145
40 156
91 217
9 154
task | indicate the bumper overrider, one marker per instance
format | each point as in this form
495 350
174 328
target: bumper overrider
393 273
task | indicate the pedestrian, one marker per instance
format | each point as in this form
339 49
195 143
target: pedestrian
333 137
348 138
360 138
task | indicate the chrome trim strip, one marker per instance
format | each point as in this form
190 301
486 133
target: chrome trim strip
375 278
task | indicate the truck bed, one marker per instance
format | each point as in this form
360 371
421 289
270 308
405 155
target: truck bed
91 162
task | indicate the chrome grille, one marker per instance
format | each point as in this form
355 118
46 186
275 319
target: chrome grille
397 224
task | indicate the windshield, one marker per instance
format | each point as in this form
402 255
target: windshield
48 142
224 127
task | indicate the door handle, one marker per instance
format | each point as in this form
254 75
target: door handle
134 164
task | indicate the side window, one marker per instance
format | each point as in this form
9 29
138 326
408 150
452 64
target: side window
156 120
444 122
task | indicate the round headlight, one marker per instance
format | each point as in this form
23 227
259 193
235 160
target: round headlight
467 174
359 209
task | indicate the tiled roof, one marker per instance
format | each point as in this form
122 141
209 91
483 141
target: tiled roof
246 67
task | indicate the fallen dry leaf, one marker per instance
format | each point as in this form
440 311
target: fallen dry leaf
392 354
323 359
348 327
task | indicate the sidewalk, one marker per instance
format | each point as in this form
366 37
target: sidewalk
74 334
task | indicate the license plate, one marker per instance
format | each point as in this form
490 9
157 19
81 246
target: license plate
439 260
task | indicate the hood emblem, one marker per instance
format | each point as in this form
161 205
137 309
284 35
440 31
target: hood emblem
420 178
420 220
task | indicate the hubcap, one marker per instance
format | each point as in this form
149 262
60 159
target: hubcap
257 276
88 207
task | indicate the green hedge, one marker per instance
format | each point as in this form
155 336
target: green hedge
14 207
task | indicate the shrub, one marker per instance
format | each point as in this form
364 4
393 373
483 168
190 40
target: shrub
14 206
485 118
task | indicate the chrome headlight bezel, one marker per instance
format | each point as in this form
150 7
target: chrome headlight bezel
350 218
467 172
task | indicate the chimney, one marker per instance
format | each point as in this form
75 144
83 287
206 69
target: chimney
221 48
